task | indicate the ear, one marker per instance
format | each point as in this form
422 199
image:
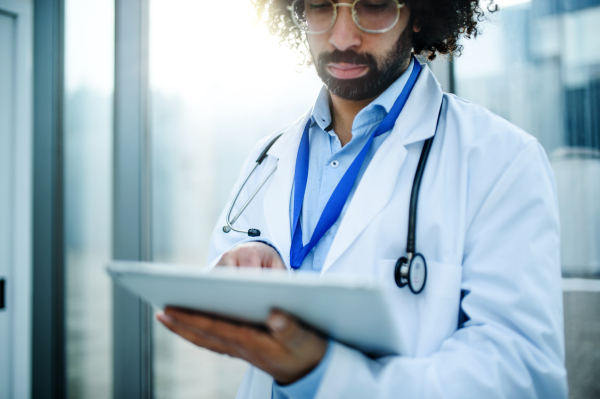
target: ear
416 28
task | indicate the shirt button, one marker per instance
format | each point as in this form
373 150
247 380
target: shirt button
335 164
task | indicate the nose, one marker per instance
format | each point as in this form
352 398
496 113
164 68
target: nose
344 33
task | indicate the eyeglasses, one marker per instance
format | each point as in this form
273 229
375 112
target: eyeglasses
372 16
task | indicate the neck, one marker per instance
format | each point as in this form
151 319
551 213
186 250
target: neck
343 113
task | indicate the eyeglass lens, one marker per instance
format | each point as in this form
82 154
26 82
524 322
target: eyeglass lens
317 16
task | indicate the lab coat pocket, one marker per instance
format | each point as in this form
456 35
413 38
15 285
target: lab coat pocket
424 320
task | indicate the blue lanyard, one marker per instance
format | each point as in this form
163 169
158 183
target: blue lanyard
338 198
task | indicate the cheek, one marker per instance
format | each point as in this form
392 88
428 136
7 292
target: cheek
379 45
317 45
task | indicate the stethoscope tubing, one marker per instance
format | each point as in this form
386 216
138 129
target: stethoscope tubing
235 218
229 227
411 240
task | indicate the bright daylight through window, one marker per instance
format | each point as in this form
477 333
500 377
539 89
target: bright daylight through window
212 100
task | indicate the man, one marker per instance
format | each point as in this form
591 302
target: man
488 323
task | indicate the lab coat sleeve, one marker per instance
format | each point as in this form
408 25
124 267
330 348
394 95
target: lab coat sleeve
512 346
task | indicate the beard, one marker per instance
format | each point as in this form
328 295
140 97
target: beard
380 74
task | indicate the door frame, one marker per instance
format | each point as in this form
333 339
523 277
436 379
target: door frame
132 318
48 357
19 288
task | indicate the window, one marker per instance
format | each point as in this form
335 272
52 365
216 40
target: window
538 65
218 85
88 102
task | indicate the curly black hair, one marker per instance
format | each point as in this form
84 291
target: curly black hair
442 22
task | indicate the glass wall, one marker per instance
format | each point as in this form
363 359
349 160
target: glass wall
219 84
537 64
89 65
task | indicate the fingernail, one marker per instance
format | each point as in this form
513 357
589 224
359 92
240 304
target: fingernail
277 323
164 318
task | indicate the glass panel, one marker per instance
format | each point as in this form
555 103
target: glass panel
89 64
538 65
218 86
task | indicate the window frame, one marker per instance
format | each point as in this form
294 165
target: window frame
132 318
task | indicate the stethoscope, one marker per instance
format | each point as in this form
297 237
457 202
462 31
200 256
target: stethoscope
251 232
411 269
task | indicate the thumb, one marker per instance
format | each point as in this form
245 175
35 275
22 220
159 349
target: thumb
287 330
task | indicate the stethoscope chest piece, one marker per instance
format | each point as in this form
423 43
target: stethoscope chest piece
411 272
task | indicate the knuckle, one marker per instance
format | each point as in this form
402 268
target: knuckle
254 251
226 259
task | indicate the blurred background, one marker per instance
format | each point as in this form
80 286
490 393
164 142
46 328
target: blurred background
166 98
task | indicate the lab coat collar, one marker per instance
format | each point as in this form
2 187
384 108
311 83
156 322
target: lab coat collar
418 119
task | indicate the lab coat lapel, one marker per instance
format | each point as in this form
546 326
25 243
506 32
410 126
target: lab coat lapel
417 122
418 119
372 194
277 197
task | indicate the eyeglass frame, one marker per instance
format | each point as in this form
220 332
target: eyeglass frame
335 15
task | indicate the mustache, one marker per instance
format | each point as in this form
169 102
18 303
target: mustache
349 57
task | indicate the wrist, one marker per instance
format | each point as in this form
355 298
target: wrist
286 379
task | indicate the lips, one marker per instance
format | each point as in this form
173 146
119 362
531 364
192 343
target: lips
344 70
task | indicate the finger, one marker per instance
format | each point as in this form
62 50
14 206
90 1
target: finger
240 335
211 341
242 255
227 260
277 262
196 337
248 343
250 255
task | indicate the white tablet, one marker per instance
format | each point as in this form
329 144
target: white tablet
350 310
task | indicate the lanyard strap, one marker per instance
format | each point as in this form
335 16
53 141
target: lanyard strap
340 195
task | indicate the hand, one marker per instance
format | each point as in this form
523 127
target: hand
252 254
287 351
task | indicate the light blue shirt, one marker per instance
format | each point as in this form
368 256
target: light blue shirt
328 161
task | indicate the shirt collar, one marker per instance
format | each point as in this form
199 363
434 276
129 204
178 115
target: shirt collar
321 114
390 95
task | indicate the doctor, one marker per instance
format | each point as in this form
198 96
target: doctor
488 323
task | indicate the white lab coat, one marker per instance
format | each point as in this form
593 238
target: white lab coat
487 224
